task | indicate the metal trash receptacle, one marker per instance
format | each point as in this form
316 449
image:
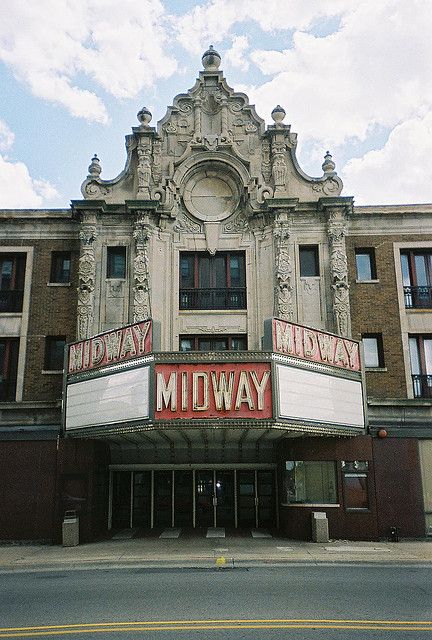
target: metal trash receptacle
70 529
320 530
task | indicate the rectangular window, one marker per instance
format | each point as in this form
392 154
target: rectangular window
417 278
373 350
420 348
309 261
116 262
355 477
54 353
365 264
213 343
8 368
310 482
12 270
212 282
60 267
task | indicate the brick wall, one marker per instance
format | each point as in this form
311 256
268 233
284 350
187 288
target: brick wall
375 309
52 313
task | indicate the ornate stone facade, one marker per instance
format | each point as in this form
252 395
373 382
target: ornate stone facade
86 278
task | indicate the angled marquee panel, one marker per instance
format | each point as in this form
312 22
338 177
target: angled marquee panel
118 397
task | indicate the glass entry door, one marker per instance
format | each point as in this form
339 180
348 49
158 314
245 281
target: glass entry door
214 498
255 499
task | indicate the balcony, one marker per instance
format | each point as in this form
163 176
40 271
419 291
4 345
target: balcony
422 386
11 301
204 299
418 297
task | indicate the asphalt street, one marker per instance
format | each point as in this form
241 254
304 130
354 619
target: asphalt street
287 601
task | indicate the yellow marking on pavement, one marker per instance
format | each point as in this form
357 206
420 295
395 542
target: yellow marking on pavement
190 625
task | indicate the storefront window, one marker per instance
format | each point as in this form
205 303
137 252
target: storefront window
310 482
355 475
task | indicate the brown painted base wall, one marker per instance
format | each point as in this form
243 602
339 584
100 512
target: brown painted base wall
295 521
28 489
398 483
40 480
394 487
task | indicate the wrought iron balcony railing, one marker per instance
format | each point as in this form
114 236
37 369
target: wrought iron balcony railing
11 301
418 297
213 298
422 385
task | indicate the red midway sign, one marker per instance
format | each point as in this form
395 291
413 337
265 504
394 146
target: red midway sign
110 347
229 390
311 344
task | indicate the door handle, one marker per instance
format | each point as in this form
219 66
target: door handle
215 502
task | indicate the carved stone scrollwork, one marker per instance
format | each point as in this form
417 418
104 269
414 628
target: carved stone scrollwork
86 282
279 168
339 271
183 223
157 161
239 224
141 289
284 300
265 160
144 168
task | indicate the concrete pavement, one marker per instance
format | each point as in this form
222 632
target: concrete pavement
208 552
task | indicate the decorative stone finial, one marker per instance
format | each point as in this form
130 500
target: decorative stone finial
211 59
278 114
144 116
328 165
95 168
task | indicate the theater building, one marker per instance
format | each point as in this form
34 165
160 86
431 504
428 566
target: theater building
216 339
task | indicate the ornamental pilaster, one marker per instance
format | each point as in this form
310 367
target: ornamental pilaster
284 288
86 276
336 230
144 152
141 288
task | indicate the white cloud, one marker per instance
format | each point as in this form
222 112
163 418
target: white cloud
17 188
211 22
6 137
399 172
120 46
236 56
375 70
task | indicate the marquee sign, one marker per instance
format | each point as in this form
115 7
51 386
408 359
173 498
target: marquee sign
310 344
229 390
110 347
275 387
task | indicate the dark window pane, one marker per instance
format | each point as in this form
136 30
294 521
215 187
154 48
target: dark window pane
54 352
212 282
309 264
365 262
116 262
355 490
8 368
60 266
186 271
309 482
373 350
6 268
405 270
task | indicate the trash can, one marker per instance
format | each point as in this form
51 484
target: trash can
70 529
320 531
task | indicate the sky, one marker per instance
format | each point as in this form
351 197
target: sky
354 77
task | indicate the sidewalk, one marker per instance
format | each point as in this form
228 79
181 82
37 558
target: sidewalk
204 552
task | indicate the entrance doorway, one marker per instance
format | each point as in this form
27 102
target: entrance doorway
208 497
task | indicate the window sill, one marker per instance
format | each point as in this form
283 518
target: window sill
49 372
376 369
310 505
58 284
418 310
367 281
